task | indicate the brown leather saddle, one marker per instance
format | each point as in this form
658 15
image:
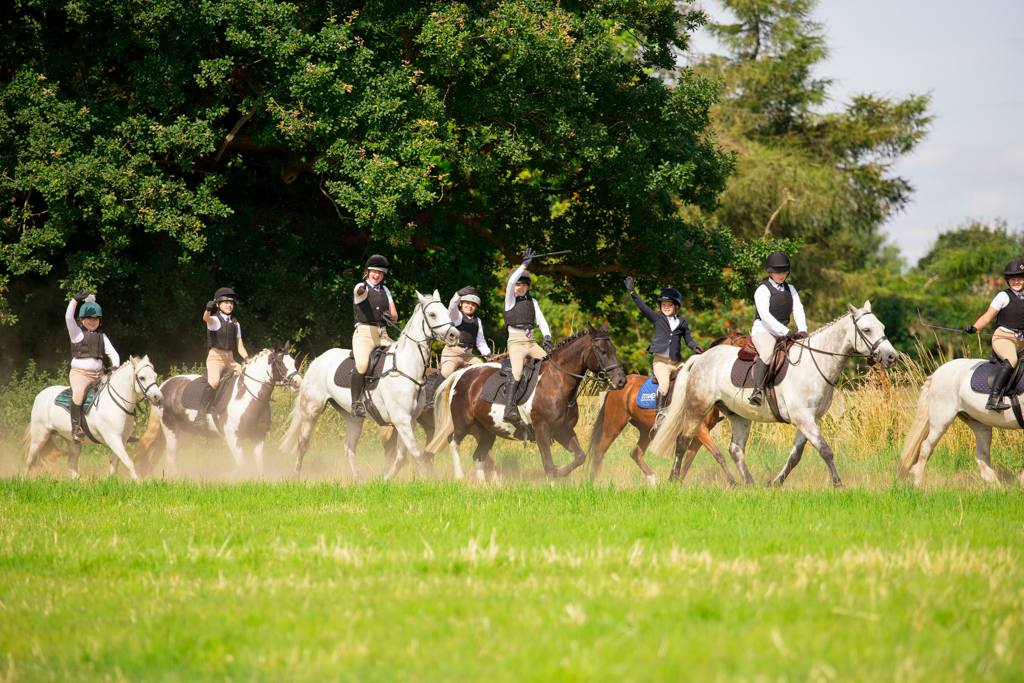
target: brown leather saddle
742 371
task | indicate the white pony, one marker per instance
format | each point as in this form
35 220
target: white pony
945 396
804 396
246 415
399 395
110 418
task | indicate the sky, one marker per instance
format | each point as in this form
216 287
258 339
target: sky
970 57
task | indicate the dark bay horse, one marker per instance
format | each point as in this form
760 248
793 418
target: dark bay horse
550 413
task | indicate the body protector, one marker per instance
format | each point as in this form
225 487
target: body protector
90 347
377 262
468 329
224 338
371 310
1014 269
1012 314
225 294
522 314
777 262
781 304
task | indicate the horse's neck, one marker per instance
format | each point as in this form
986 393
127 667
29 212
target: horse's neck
835 339
258 370
121 381
571 357
406 348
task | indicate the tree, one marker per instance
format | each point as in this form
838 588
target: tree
155 151
824 178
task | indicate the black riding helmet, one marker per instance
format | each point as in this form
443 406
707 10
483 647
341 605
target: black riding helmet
377 262
777 262
472 295
671 294
1014 269
224 294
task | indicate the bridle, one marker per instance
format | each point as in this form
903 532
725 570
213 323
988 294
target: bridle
279 377
422 345
870 355
143 390
603 376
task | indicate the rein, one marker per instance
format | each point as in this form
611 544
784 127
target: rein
870 355
276 367
124 402
422 345
601 378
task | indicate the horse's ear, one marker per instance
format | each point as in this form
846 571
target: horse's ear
145 359
287 345
437 295
590 327
422 299
867 306
605 328
853 311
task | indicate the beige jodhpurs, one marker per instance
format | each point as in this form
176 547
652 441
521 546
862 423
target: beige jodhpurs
365 339
521 347
80 381
764 342
663 367
454 357
217 362
1007 346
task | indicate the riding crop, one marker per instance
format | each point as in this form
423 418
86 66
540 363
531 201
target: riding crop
950 329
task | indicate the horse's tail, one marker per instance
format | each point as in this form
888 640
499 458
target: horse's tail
664 443
48 449
443 423
290 441
150 446
598 433
916 436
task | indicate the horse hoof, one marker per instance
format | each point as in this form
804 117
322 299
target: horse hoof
652 480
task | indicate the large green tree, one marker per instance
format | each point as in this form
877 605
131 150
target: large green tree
825 178
155 150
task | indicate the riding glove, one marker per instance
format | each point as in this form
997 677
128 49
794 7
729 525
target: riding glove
971 329
210 306
790 334
528 257
81 296
547 344
629 284
698 350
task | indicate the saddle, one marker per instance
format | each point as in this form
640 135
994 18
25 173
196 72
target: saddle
63 399
645 396
981 378
494 387
343 375
742 374
194 391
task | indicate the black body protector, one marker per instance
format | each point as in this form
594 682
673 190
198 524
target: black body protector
468 331
781 303
226 337
90 347
1012 315
522 314
371 310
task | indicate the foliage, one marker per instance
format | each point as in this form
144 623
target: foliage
155 151
823 178
17 397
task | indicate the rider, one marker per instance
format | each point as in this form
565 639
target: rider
522 312
224 336
463 306
775 303
87 349
1008 341
373 308
669 330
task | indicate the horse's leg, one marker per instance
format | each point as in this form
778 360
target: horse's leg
482 458
74 450
691 422
173 443
982 449
795 453
703 438
114 462
406 445
543 436
740 434
40 438
310 409
938 424
807 425
234 442
638 454
570 443
614 422
117 446
353 428
257 456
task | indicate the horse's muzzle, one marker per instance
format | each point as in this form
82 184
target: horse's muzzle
451 338
156 398
887 359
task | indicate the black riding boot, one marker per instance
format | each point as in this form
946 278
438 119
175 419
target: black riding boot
77 435
357 394
659 409
205 399
999 380
760 373
511 409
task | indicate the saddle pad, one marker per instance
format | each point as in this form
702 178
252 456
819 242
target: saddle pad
194 391
494 387
981 380
343 375
64 399
742 375
648 391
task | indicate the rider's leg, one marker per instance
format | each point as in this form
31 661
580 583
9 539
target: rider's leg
216 361
663 367
364 341
451 360
518 349
764 342
80 380
1006 349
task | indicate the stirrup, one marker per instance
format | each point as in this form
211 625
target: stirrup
755 398
995 402
358 410
200 419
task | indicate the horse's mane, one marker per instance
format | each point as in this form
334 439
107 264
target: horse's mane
569 340
256 356
829 324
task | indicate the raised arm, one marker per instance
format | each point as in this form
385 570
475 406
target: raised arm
453 309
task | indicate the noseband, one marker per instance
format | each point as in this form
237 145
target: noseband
602 376
277 369
872 348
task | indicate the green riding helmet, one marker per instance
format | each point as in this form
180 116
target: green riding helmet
90 309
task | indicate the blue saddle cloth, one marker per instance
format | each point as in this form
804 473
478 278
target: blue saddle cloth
981 380
648 391
64 399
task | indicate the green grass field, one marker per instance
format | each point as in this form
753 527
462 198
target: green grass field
105 580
